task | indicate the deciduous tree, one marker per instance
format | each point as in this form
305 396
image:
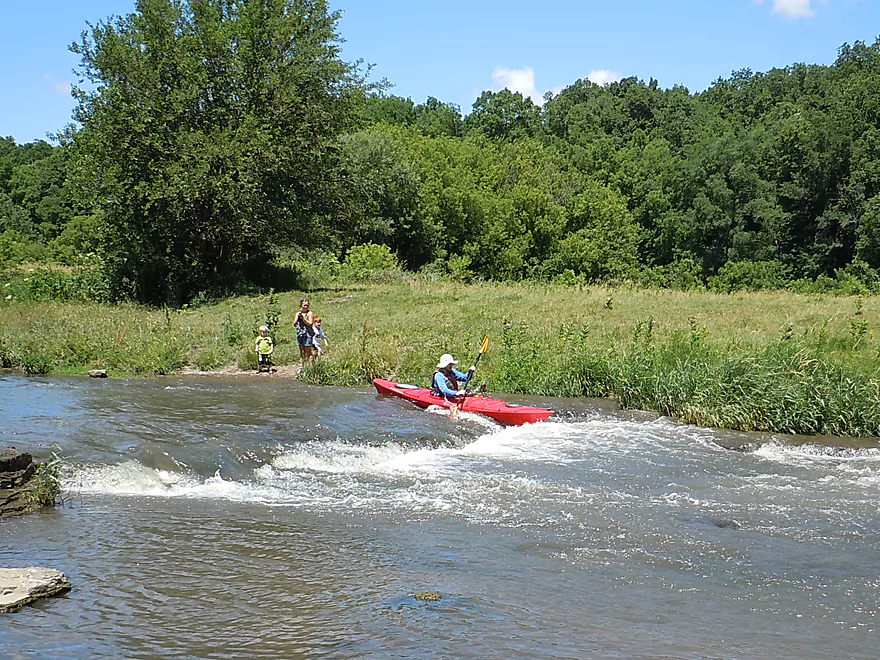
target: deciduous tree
208 136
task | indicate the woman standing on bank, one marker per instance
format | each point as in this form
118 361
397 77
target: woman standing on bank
304 323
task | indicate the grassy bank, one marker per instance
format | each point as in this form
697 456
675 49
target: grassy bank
759 361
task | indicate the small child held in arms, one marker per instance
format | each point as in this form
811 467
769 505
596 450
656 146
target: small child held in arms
264 347
320 340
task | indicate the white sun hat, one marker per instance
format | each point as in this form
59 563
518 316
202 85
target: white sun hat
445 360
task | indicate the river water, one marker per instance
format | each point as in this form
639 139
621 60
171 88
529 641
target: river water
263 518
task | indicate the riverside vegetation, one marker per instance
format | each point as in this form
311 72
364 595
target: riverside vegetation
768 361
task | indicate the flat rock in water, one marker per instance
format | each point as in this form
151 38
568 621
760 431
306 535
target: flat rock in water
20 586
98 373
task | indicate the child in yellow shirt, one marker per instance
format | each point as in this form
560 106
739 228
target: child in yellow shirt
264 347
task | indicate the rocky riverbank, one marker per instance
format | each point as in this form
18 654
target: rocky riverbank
22 491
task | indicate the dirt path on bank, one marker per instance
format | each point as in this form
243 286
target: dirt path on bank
281 371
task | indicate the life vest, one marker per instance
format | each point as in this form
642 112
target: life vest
452 383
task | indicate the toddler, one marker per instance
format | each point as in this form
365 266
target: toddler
320 340
264 347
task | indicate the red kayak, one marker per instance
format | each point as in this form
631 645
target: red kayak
501 411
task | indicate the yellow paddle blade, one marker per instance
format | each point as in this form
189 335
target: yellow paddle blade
484 345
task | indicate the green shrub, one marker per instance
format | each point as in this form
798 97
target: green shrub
569 278
313 269
9 358
46 483
459 268
18 249
822 284
233 333
36 362
749 276
857 278
684 274
273 314
89 281
364 262
46 284
81 235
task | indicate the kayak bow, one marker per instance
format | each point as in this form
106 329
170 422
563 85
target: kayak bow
501 411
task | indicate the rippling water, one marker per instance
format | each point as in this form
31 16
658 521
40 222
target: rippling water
263 518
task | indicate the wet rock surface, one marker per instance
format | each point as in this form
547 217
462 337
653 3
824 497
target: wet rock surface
16 470
20 586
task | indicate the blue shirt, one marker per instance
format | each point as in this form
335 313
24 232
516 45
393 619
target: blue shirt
441 384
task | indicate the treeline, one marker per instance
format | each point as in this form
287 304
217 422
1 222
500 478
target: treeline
223 140
760 181
37 213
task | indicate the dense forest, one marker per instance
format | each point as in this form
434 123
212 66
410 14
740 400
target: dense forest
220 141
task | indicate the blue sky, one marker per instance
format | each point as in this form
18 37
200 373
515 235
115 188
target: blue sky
455 49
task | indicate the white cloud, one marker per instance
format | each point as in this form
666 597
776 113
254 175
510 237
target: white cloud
603 77
61 86
517 80
523 81
794 8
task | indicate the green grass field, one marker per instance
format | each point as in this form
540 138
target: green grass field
776 361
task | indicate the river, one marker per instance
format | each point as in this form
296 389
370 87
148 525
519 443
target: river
259 517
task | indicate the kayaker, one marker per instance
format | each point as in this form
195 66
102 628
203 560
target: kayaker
447 377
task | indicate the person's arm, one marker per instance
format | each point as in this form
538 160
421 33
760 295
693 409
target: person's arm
271 346
464 377
440 384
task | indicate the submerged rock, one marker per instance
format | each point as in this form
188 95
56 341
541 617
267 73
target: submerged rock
20 586
427 595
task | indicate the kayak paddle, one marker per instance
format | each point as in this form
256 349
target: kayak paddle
484 346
